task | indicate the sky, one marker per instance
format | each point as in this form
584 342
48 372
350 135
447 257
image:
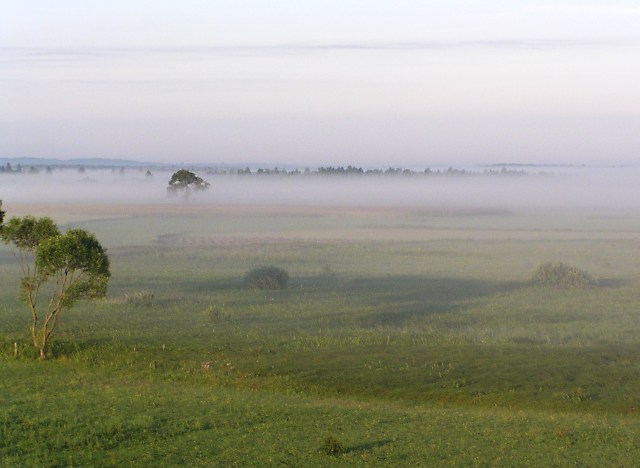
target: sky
372 83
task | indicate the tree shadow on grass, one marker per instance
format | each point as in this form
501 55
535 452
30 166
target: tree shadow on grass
612 283
212 285
322 282
406 297
368 446
436 289
390 289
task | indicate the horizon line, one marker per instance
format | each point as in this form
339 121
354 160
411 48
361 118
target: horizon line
36 52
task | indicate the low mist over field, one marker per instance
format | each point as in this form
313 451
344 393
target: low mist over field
544 188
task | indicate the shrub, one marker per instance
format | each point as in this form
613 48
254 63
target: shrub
269 277
140 298
562 276
331 446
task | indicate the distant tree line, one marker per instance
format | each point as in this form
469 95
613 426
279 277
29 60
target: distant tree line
322 171
18 169
9 168
359 171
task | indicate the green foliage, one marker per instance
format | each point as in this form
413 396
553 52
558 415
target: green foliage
184 180
27 233
268 277
562 276
1 215
331 446
78 256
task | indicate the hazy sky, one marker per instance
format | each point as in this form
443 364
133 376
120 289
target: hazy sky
334 82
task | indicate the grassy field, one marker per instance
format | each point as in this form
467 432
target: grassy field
411 335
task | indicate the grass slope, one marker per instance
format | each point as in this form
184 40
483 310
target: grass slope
425 350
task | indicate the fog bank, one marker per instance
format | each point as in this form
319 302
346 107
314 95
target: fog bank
605 188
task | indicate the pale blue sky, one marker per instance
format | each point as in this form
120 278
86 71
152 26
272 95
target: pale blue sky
332 82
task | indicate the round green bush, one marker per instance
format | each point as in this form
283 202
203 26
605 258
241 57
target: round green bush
562 276
269 277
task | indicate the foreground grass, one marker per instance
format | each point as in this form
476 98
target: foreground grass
56 414
428 349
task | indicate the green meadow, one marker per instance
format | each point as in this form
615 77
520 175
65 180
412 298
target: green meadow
413 336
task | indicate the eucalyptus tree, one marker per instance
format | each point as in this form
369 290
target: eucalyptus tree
58 269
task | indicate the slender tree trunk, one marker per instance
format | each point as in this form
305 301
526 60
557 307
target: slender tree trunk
33 331
31 287
42 340
51 317
34 314
34 324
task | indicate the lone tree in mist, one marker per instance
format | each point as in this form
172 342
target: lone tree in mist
184 181
1 215
58 269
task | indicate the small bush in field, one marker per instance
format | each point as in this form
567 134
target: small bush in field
562 276
331 446
140 298
269 277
